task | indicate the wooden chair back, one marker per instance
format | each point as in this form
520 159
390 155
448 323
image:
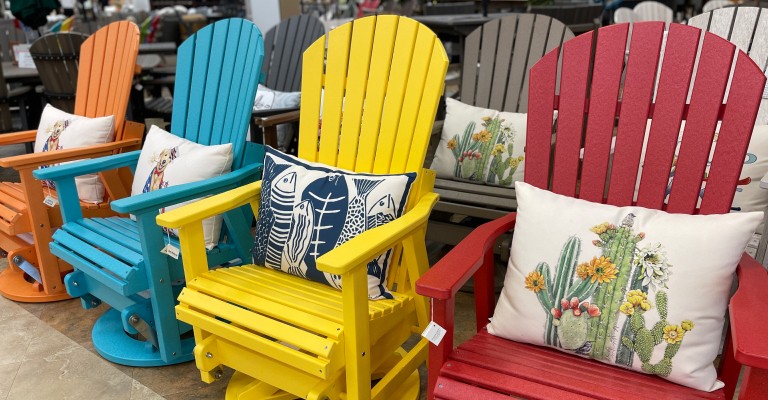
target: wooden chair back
707 105
712 5
9 36
284 47
56 57
499 54
654 11
207 89
624 14
747 28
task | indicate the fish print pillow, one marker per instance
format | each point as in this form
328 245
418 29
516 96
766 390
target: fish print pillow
59 130
480 145
308 209
629 286
168 160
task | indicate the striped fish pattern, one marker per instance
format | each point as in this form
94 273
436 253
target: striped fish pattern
299 238
283 194
266 217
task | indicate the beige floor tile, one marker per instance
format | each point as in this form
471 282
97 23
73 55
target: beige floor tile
7 374
16 334
141 392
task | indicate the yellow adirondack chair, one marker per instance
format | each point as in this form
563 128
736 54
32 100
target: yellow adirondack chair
288 337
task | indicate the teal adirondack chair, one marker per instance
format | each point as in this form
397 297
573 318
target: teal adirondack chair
118 260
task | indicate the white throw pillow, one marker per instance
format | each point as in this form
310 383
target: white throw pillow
630 286
480 145
59 130
168 160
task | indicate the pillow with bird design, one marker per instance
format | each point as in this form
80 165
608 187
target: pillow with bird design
308 209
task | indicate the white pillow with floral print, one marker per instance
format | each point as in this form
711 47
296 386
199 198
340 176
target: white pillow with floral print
630 286
480 145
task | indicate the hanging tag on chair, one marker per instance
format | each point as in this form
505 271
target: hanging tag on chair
171 250
434 333
50 201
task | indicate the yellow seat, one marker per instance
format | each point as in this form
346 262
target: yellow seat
288 337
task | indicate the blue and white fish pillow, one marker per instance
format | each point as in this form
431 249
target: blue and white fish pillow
308 209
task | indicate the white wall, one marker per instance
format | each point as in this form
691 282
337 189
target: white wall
264 13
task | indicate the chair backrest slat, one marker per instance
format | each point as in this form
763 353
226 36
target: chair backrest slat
211 90
637 95
56 58
106 69
499 54
604 93
284 45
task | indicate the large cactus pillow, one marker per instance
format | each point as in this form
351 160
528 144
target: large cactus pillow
308 209
60 130
630 286
480 145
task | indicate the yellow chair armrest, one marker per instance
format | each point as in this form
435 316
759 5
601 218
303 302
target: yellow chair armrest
210 206
17 137
34 160
358 251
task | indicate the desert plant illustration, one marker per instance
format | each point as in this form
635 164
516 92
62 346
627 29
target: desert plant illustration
486 155
645 339
619 245
566 319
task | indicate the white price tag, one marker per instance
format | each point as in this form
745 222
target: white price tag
50 201
434 333
171 250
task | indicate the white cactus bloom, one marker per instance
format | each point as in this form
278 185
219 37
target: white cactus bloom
655 266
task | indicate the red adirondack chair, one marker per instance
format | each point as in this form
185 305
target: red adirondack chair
490 367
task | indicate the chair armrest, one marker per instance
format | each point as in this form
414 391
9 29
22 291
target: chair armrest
748 326
151 201
278 119
210 206
446 277
34 160
90 166
358 251
17 137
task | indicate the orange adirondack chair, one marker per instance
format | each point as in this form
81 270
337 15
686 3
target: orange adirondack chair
490 367
107 66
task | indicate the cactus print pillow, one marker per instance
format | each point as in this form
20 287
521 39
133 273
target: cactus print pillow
168 160
630 286
308 209
59 130
480 145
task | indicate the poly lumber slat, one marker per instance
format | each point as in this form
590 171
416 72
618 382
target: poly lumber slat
102 260
570 119
608 65
706 99
359 65
469 65
538 44
675 78
450 389
636 100
488 47
290 37
501 70
105 243
333 97
216 92
541 101
311 84
110 225
518 64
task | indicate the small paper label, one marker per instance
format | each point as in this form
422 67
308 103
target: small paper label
50 201
171 250
434 333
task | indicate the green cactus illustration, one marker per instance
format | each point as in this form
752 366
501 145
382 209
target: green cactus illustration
552 290
503 163
645 340
572 330
492 128
625 354
618 245
461 146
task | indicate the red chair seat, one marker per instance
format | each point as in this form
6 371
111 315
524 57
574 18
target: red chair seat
490 367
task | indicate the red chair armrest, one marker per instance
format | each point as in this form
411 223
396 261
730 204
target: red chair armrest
444 279
748 324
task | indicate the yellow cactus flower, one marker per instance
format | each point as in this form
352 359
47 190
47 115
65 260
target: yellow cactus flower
637 292
535 282
484 136
601 228
486 118
645 305
582 271
687 325
602 270
521 158
498 149
627 308
513 163
673 334
452 144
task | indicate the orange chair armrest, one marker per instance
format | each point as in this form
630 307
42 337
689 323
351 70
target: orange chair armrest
278 119
52 157
748 325
448 275
17 137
